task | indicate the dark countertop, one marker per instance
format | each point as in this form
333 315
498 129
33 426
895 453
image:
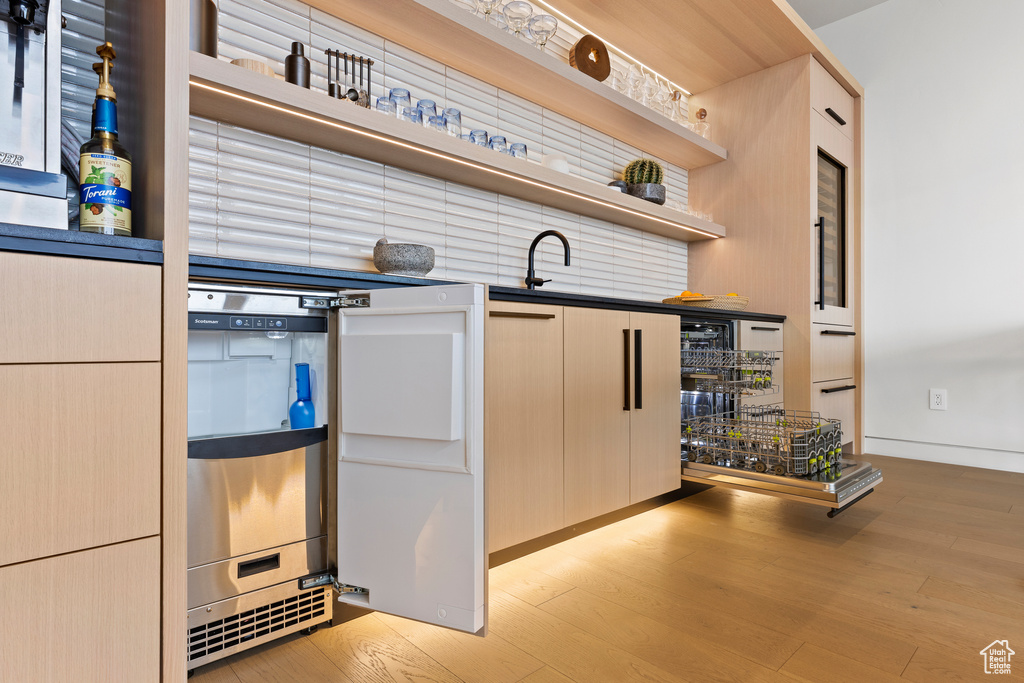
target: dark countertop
307 276
73 243
537 296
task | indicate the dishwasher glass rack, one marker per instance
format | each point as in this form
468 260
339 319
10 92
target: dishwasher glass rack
766 439
727 372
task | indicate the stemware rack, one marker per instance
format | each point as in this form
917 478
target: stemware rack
739 373
767 439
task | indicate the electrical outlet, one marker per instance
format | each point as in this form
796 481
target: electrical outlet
937 399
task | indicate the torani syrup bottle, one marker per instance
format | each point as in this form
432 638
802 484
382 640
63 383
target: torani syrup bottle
105 167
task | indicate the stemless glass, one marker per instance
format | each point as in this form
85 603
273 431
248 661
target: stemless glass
516 14
386 106
498 144
541 28
401 98
453 121
478 137
435 122
410 114
428 107
517 149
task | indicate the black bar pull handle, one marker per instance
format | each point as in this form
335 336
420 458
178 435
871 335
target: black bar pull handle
821 263
835 389
521 314
638 369
258 566
625 370
767 329
839 119
839 333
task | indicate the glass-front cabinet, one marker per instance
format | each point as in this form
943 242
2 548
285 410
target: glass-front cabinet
832 291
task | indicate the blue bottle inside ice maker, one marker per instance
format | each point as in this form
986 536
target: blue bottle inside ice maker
302 414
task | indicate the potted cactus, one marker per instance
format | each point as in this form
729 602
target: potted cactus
643 180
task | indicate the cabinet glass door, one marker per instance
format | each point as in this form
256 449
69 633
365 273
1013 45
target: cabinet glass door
831 233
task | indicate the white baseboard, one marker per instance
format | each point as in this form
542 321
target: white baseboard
989 459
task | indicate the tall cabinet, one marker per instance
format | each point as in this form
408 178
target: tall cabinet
790 194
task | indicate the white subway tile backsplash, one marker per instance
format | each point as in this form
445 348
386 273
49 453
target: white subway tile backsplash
259 197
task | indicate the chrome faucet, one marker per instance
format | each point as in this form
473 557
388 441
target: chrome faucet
531 281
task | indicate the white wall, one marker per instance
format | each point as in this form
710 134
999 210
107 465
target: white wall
943 225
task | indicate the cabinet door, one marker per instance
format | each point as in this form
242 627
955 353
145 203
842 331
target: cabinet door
597 399
523 422
761 336
832 352
410 493
836 401
832 211
654 463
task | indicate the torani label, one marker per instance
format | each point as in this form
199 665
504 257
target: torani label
105 194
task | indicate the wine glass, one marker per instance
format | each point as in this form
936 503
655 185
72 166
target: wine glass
541 28
485 7
517 14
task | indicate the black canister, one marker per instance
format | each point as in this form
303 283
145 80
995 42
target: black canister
296 66
202 27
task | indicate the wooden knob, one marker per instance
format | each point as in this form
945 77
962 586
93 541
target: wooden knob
590 56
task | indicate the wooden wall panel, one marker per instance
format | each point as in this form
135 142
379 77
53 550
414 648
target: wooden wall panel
80 456
74 310
523 423
86 616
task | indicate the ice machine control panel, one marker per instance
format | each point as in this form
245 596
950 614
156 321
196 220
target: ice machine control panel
283 323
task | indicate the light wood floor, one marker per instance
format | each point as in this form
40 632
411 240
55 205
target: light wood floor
909 584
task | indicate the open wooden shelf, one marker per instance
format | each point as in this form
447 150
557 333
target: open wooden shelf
701 44
228 93
451 35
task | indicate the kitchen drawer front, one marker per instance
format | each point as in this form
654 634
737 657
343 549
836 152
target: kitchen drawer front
86 616
758 336
834 401
833 350
81 457
75 310
827 93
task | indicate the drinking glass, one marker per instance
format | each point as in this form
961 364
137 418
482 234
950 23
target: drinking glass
453 121
516 14
541 28
517 149
485 7
428 107
435 122
401 98
386 106
498 144
478 137
411 114
467 137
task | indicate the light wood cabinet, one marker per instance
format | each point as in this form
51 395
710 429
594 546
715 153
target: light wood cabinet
578 423
74 310
775 125
597 396
832 349
87 616
81 456
523 422
654 464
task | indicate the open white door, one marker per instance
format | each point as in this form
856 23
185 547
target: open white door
410 470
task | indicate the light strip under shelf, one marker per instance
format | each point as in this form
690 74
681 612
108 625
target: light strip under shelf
447 157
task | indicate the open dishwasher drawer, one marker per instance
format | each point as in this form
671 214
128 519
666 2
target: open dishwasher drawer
786 453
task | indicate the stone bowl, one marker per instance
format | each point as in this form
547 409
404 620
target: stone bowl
650 192
403 259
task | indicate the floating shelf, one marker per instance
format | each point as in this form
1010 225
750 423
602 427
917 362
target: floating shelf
451 35
228 93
